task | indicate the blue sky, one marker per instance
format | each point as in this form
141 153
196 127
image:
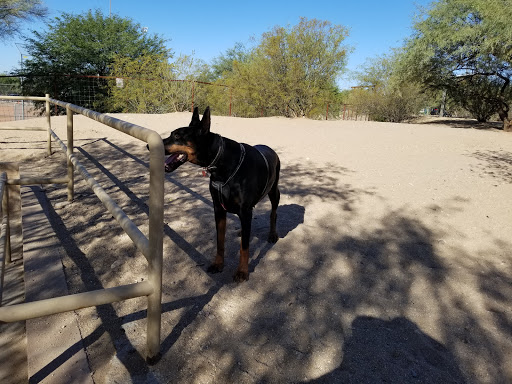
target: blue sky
209 28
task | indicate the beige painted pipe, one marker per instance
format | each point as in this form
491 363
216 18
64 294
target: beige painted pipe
67 303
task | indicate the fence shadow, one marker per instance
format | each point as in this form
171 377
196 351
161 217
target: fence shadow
110 322
86 273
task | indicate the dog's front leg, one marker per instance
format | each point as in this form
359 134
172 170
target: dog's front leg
220 225
242 273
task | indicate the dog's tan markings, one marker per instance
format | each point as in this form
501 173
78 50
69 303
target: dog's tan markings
188 150
242 273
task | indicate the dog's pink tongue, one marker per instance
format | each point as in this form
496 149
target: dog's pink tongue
172 158
174 161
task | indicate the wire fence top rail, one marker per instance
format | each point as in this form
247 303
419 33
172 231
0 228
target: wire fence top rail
149 93
30 98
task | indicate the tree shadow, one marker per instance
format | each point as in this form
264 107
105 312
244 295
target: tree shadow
496 164
330 299
495 282
342 305
306 182
463 123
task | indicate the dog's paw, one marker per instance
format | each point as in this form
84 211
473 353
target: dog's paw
215 268
273 237
240 276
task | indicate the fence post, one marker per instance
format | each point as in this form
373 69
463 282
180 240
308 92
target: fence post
49 124
155 257
230 99
3 226
192 109
8 227
327 112
5 210
71 181
344 109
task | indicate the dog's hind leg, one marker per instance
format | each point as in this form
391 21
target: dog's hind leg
242 273
220 224
274 196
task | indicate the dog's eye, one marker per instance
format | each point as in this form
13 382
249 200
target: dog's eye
177 136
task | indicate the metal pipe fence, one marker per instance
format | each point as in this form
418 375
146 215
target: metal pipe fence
151 246
4 246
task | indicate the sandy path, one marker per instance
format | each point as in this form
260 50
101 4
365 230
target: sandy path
394 262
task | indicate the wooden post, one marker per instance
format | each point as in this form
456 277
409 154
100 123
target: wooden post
192 109
48 124
230 99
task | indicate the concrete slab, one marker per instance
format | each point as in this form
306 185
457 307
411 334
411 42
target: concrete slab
13 343
54 345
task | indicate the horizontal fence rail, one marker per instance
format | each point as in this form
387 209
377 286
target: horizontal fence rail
27 98
151 247
129 227
67 303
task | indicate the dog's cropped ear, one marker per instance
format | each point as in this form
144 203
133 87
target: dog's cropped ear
195 117
205 121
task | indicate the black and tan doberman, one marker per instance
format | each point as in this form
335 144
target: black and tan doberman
240 176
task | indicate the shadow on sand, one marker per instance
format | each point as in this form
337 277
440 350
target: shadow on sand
308 310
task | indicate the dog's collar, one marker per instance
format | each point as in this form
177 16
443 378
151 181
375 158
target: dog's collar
220 151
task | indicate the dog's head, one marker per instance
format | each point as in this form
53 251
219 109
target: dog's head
183 143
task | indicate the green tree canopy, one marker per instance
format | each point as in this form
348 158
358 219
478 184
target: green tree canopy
84 44
14 12
384 94
222 65
150 84
291 71
465 47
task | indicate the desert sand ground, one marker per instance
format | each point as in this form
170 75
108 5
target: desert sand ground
394 262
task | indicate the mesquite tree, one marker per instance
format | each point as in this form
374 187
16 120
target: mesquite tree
291 70
465 47
84 44
14 12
